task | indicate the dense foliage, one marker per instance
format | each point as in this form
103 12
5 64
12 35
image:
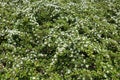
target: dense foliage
59 39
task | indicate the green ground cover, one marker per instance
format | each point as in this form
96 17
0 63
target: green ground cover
60 40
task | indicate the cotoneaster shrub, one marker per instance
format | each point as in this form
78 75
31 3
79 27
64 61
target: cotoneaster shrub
60 40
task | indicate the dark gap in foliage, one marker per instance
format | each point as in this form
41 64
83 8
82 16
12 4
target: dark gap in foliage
92 66
24 78
81 30
109 15
17 40
84 53
113 47
40 70
45 15
63 28
50 51
3 38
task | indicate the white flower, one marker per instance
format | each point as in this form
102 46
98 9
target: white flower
33 78
68 71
